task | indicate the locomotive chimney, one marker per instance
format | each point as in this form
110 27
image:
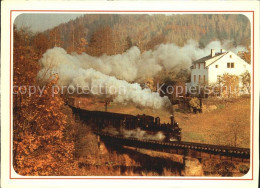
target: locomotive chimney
106 106
172 120
172 116
157 121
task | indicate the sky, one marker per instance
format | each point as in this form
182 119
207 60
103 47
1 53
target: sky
41 22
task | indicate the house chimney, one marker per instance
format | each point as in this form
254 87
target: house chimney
212 52
222 50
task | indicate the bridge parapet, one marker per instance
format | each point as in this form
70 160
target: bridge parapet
191 149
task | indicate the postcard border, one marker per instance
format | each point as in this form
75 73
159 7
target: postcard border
133 11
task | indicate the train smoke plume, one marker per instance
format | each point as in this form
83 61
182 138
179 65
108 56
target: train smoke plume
117 70
73 73
133 66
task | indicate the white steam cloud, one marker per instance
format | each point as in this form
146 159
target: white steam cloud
74 74
116 71
133 66
135 133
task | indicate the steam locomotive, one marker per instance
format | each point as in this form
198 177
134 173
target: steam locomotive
120 122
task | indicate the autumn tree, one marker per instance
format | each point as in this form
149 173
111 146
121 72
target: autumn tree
55 38
229 85
77 38
128 43
42 143
246 81
101 42
246 55
157 40
183 75
43 129
41 43
81 45
118 43
25 66
140 41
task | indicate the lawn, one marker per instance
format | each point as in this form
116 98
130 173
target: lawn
228 125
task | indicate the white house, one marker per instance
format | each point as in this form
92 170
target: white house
207 69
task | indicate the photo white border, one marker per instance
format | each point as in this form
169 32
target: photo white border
123 6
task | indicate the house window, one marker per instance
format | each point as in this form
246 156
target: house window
231 65
218 77
204 65
199 65
204 78
230 56
194 78
216 66
199 78
228 65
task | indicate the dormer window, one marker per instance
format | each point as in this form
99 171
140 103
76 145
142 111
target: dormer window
230 56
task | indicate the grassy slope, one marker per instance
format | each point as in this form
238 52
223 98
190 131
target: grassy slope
219 126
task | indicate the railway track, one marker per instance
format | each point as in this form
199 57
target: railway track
191 149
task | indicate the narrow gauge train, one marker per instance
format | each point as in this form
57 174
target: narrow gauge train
119 121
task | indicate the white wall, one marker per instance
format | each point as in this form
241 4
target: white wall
198 72
211 72
240 67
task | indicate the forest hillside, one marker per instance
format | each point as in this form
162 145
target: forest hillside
114 33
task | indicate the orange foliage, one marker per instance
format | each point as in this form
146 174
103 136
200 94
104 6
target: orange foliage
42 146
181 28
81 47
246 55
229 85
101 42
43 132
